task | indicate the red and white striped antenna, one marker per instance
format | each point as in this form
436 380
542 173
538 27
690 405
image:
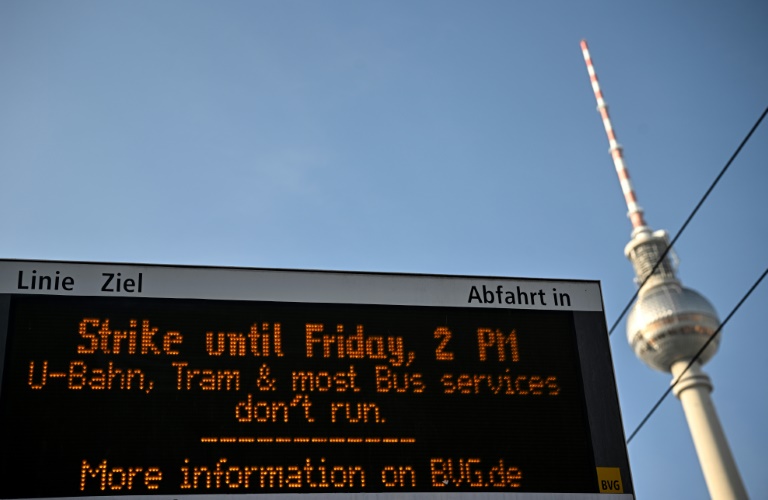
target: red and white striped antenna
635 213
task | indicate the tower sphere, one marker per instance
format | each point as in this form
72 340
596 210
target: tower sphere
670 323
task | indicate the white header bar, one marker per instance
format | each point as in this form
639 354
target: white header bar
280 285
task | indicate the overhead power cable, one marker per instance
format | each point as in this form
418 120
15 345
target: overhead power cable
688 220
698 354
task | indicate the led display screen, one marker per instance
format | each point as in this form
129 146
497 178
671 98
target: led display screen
145 394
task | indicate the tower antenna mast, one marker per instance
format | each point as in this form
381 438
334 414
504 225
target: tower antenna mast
635 213
669 324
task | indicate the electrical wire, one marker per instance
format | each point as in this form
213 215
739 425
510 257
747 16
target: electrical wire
688 220
696 357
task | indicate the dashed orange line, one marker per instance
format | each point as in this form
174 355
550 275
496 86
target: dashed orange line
304 440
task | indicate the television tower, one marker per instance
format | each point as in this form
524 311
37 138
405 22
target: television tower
669 324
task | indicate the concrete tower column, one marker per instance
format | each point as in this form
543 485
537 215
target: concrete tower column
717 463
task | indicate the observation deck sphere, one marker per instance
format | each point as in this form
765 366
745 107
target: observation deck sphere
669 323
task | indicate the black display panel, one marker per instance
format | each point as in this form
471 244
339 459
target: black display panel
114 396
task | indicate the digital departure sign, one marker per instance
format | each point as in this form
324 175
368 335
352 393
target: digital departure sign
173 381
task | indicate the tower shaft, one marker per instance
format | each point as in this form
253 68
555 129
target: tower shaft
717 462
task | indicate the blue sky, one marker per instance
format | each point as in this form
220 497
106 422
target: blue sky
429 136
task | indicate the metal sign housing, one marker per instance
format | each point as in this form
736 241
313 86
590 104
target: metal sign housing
136 380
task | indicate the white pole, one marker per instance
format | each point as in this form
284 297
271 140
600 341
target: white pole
717 463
